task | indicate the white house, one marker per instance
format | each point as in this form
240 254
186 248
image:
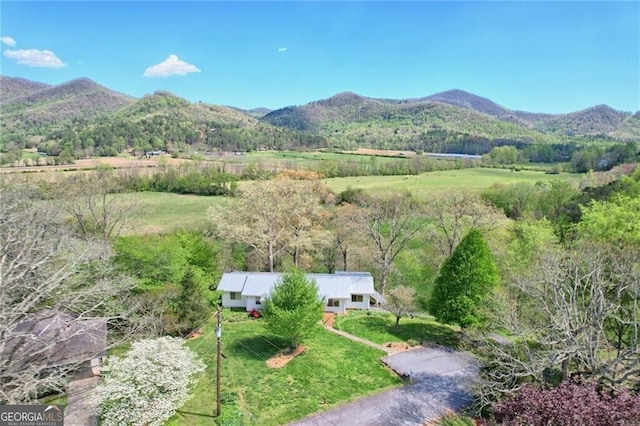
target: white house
340 291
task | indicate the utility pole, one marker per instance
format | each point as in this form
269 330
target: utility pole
218 361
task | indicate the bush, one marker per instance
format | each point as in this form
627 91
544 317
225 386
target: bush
568 404
147 385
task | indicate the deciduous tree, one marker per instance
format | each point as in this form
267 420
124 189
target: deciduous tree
390 223
148 384
400 301
46 272
272 217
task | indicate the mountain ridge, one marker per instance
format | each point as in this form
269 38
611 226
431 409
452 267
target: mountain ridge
449 121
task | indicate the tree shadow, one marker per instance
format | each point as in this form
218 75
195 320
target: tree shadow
435 333
423 332
256 347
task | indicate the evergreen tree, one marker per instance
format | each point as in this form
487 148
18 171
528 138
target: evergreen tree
464 281
192 307
293 310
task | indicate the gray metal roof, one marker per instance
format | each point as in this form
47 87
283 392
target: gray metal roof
330 286
232 281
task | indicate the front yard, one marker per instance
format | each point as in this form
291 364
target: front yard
333 370
379 328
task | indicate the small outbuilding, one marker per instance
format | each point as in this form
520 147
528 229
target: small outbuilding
340 291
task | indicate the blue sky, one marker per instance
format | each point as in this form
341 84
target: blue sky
535 56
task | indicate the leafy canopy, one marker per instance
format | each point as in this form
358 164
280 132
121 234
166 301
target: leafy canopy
293 310
464 281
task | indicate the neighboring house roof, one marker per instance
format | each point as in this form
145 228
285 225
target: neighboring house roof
340 285
56 339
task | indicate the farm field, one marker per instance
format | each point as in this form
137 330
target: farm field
332 370
476 179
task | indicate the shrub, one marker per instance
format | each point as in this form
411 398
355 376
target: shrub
147 385
568 404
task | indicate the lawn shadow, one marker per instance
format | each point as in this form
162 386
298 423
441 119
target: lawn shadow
433 332
257 347
422 332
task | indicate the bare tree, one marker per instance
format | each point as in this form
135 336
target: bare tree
400 301
48 276
576 315
96 203
453 214
390 223
345 235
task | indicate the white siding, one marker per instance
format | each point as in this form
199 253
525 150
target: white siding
251 303
358 305
340 309
227 302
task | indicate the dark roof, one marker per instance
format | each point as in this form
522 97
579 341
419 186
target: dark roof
56 339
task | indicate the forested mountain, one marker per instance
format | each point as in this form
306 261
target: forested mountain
15 87
85 118
449 121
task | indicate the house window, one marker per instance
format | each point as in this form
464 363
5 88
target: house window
234 295
258 302
334 303
357 298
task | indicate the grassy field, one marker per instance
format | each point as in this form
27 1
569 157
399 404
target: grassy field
162 212
379 327
166 212
476 179
332 370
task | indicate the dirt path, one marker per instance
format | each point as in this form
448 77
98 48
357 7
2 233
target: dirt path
389 351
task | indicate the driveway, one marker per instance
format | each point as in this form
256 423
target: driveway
439 383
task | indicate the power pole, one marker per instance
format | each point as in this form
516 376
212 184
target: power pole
218 361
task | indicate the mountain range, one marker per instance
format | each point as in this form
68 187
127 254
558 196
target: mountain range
446 121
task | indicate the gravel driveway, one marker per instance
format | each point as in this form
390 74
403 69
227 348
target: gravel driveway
439 382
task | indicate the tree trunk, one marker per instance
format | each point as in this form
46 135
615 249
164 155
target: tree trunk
397 326
270 257
565 368
344 259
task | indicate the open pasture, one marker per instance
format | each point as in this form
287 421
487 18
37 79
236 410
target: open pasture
475 179
167 212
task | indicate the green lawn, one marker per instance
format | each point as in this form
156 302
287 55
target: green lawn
379 328
333 369
476 179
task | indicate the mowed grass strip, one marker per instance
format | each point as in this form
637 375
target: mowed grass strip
333 370
379 327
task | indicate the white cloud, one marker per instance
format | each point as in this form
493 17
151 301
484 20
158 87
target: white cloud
171 66
282 49
35 58
9 41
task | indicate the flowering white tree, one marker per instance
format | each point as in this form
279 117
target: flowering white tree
146 386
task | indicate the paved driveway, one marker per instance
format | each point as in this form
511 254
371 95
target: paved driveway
439 382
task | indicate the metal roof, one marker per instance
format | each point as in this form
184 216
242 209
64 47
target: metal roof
340 285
